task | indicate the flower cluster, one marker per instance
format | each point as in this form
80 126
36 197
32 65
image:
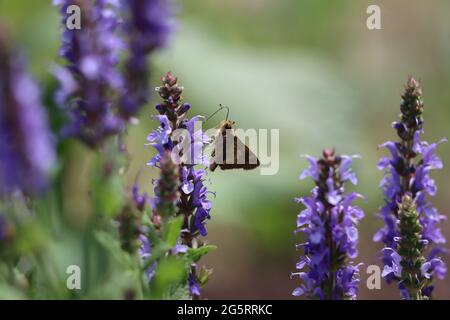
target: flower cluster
145 252
26 145
134 234
166 190
99 98
408 263
131 231
407 174
329 224
129 228
147 27
90 81
193 204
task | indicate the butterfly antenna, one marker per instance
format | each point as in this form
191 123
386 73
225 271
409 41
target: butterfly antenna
220 108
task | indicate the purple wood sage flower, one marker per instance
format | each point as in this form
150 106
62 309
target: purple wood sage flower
329 223
407 174
26 145
192 203
90 83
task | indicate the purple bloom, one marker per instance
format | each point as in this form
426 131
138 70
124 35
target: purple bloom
26 145
395 268
166 189
193 203
407 174
140 200
162 133
159 139
434 266
148 25
329 222
90 81
179 248
145 252
200 202
193 192
194 287
312 171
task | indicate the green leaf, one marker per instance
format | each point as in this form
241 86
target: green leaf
112 245
107 182
204 275
107 195
180 292
31 237
171 272
157 253
172 231
10 293
197 253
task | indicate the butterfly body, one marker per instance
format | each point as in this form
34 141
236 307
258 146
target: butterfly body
231 155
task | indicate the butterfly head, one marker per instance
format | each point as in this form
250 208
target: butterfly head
226 124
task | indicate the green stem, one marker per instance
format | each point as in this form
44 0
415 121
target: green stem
49 272
86 262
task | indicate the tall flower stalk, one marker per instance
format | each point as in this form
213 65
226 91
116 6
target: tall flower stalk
99 96
90 83
406 185
193 205
135 237
166 190
329 223
164 207
26 145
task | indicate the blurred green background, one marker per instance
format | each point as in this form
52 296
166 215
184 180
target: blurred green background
310 68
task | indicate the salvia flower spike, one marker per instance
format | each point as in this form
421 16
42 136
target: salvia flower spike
406 185
329 223
101 97
192 204
27 152
90 82
409 266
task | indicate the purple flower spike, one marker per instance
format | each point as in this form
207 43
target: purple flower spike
26 144
329 222
90 82
192 201
193 192
145 251
407 175
194 287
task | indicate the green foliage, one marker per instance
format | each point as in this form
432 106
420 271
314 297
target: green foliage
284 64
169 274
194 254
106 189
171 231
112 245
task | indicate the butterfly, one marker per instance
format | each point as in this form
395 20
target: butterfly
231 155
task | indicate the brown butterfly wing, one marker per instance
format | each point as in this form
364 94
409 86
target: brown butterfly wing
243 158
213 165
219 146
